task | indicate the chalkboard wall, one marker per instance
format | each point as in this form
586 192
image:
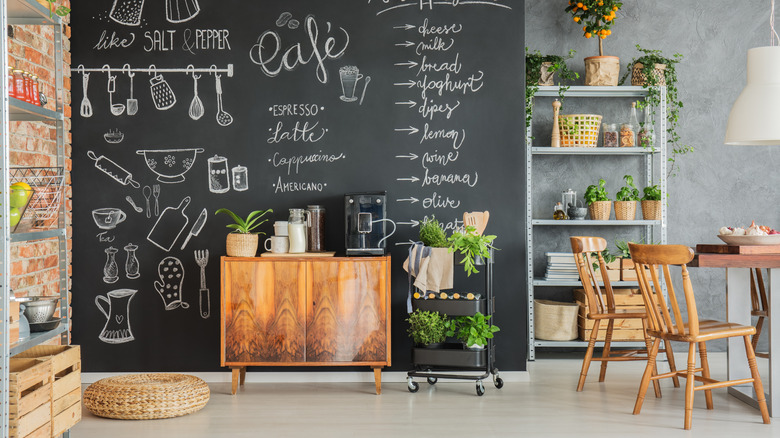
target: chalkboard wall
267 90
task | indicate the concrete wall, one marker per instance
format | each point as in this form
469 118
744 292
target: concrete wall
715 185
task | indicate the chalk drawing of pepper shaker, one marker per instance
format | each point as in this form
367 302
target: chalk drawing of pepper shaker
127 12
111 270
131 265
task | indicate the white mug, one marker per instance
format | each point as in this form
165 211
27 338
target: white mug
277 244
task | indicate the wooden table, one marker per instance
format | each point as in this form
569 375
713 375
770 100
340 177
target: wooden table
738 309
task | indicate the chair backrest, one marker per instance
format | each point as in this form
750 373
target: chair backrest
599 300
647 259
476 219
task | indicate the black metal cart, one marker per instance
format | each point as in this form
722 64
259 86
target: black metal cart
452 360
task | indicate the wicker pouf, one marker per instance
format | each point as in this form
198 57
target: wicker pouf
146 396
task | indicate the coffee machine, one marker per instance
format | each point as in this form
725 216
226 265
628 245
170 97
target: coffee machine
365 218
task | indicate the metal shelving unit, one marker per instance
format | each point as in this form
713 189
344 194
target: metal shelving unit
29 12
654 159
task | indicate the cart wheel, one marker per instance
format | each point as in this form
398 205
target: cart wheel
432 380
411 385
499 382
480 388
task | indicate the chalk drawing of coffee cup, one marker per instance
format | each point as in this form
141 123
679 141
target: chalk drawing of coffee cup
108 218
349 75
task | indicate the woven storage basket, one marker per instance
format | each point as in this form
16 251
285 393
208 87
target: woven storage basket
625 210
638 78
146 396
555 321
600 210
242 245
651 210
579 130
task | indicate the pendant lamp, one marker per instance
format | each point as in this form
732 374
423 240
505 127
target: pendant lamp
755 116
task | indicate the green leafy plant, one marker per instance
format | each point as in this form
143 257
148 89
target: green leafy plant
533 74
629 192
673 103
596 17
252 221
426 327
470 245
652 193
432 234
596 193
56 7
606 255
475 330
622 246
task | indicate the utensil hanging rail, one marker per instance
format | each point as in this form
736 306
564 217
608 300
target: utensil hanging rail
153 69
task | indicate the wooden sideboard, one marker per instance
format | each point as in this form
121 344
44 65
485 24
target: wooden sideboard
305 311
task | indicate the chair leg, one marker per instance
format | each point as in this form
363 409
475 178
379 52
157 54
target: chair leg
640 397
605 353
759 325
588 354
670 359
705 372
649 346
689 385
757 385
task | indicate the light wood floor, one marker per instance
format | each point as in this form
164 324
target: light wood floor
548 406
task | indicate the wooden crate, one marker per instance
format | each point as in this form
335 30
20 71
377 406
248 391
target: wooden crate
631 323
13 319
29 398
623 297
618 335
66 387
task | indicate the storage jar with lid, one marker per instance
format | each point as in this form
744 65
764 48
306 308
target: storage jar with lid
610 135
315 225
296 228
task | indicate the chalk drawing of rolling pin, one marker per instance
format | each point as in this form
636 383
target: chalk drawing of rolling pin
115 171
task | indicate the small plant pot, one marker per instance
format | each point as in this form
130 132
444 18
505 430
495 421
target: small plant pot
473 347
600 210
639 78
602 71
241 245
434 345
625 210
651 210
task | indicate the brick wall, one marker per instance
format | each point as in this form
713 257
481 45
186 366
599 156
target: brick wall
34 265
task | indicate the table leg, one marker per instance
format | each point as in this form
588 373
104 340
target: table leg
378 380
738 312
772 381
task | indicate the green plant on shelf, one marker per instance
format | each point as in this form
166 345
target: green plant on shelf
432 234
629 192
472 330
652 193
533 75
246 226
596 193
471 245
426 327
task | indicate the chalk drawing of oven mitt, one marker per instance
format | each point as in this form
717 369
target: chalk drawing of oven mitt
171 273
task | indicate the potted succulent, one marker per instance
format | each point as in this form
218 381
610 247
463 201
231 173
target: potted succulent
596 18
243 241
651 203
653 70
540 70
599 205
474 331
427 329
474 247
626 199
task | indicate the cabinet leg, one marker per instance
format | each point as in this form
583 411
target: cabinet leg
378 380
237 375
242 376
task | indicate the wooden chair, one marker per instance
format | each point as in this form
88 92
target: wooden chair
668 326
601 307
760 304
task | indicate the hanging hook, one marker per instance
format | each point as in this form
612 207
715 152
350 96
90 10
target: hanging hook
127 70
214 70
80 69
191 70
152 70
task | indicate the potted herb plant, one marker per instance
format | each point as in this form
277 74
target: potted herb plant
651 203
243 241
426 328
540 70
431 261
474 331
599 205
652 71
473 246
626 199
596 18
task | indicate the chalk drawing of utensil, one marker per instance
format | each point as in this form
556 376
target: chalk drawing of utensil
202 259
156 193
162 93
118 108
170 165
223 118
199 224
365 85
113 170
171 273
169 226
147 191
196 106
132 203
132 103
86 105
127 12
179 11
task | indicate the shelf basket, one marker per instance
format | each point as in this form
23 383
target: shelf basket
48 184
579 130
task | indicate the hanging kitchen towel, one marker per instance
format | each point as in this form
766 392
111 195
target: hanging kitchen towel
416 263
431 267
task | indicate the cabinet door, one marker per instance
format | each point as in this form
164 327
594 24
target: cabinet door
346 316
263 311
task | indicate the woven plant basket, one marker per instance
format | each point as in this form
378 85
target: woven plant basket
638 78
602 71
555 321
579 130
242 245
146 396
625 210
600 210
651 210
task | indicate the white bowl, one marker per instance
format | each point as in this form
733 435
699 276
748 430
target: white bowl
772 239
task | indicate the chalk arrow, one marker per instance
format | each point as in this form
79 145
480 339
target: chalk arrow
405 27
411 103
405 44
413 223
404 243
411 156
411 200
410 64
411 129
412 179
409 84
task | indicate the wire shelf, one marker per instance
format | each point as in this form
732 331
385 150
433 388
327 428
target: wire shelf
48 186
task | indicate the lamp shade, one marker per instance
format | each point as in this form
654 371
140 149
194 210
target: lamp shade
755 116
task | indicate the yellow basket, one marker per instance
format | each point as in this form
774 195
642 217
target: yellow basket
579 130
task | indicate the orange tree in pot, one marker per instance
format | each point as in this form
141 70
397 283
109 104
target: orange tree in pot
596 18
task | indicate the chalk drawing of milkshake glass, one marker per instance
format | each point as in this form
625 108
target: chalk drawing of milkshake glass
349 75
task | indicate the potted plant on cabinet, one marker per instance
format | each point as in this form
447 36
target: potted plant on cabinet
473 331
540 70
599 205
427 329
596 18
626 199
473 246
242 242
651 203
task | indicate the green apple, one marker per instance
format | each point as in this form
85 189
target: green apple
18 197
14 216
